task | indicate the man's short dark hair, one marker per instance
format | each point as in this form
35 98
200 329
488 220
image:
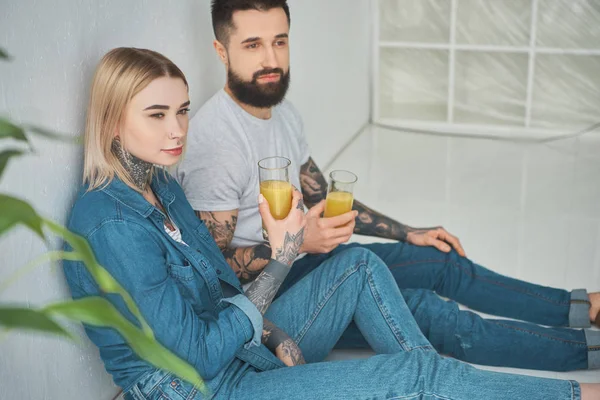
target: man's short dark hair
222 14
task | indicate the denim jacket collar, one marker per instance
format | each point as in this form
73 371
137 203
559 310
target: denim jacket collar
119 190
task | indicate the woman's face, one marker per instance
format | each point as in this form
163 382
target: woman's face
155 123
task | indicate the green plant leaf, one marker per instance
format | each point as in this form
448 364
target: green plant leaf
98 311
106 282
10 130
7 155
53 135
14 211
28 319
4 55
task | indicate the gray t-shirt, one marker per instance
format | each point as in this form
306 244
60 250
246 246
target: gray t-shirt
219 171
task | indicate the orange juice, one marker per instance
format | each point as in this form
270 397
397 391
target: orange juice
338 203
279 197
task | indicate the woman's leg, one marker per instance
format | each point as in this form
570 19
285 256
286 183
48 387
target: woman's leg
354 286
418 374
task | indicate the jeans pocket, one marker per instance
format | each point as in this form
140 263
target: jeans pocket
174 388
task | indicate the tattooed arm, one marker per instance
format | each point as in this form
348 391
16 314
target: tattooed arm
263 289
281 344
372 223
286 237
369 222
246 262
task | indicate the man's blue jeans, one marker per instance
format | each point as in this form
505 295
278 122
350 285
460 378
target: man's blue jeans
356 286
421 271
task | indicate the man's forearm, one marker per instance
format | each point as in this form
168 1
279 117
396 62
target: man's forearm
372 223
369 222
248 262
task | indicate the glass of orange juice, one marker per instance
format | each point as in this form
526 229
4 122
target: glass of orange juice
275 186
340 193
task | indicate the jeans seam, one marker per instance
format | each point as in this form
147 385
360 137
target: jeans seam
326 298
455 264
572 390
385 313
572 342
419 394
192 393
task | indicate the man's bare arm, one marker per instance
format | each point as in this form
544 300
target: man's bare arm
246 262
369 222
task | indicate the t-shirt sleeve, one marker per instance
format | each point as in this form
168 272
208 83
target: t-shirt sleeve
213 173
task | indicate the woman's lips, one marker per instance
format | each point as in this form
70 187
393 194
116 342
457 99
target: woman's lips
175 152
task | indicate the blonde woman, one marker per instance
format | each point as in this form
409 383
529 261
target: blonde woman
143 230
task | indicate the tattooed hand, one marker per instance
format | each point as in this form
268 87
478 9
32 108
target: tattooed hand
281 344
287 235
290 353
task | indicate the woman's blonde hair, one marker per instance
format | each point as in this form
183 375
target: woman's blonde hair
122 73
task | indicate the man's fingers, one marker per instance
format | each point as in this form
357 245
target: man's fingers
340 220
317 209
453 240
343 232
440 245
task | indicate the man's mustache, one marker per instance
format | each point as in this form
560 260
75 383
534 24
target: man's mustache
267 71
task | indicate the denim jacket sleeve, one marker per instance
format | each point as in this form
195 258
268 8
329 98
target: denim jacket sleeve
136 260
248 308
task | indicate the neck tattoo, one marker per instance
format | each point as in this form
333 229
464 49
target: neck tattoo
139 170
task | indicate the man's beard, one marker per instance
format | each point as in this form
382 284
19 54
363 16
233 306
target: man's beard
260 95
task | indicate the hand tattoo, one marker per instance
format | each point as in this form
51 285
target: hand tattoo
287 253
290 349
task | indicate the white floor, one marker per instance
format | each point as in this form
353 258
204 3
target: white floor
527 211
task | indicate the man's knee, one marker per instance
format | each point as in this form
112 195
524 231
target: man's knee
361 259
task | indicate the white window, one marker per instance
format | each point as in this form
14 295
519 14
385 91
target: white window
480 66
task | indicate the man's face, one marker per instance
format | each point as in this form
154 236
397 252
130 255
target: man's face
258 70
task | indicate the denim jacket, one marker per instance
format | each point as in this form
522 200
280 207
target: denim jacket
177 288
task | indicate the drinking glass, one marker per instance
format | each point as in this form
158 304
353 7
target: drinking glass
275 186
340 193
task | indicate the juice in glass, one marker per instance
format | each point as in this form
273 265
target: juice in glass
279 197
338 203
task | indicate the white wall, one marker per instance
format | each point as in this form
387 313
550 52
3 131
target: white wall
330 71
56 46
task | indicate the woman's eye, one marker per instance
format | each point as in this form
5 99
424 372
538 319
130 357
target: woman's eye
158 115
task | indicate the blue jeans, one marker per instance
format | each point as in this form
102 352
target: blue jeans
421 271
356 286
